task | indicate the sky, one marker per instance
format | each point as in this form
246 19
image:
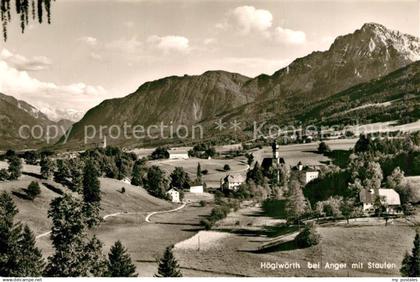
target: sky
101 49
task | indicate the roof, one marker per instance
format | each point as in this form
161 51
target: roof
236 178
388 196
172 190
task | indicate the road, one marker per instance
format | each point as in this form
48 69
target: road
147 219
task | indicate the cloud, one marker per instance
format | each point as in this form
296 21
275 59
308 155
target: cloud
289 36
170 43
132 45
89 40
249 19
22 63
47 96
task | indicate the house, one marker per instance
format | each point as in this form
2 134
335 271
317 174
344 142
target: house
174 196
198 189
178 155
311 175
233 182
389 198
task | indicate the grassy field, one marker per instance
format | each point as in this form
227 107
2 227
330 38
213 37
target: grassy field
232 249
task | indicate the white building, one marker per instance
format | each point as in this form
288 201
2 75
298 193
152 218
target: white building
388 197
311 175
233 181
178 155
174 195
199 189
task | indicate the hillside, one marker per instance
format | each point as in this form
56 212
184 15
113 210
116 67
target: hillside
393 97
369 53
16 113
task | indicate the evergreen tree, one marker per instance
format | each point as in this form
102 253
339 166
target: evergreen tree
62 173
168 266
410 266
199 174
18 254
137 174
91 186
47 167
15 168
31 263
119 262
9 236
26 10
75 254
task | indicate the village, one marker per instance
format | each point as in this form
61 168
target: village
254 203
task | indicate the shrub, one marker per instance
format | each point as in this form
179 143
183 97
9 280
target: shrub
4 175
226 167
307 237
205 171
33 190
207 224
323 148
203 203
122 190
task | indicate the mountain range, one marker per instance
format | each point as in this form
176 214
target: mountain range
303 90
16 113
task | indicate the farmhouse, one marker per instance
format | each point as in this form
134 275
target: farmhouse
198 189
388 197
311 175
174 195
178 155
232 182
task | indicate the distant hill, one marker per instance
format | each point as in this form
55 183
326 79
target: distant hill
16 113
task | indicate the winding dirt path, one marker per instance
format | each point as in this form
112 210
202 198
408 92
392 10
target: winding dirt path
147 219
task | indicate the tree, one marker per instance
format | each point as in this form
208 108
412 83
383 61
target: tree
323 148
33 190
47 167
15 168
347 209
26 10
4 175
249 158
62 173
168 266
9 236
31 157
18 255
119 262
199 173
156 183
362 145
256 174
75 254
226 167
296 204
138 173
31 263
307 237
160 153
395 179
410 266
180 179
91 185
